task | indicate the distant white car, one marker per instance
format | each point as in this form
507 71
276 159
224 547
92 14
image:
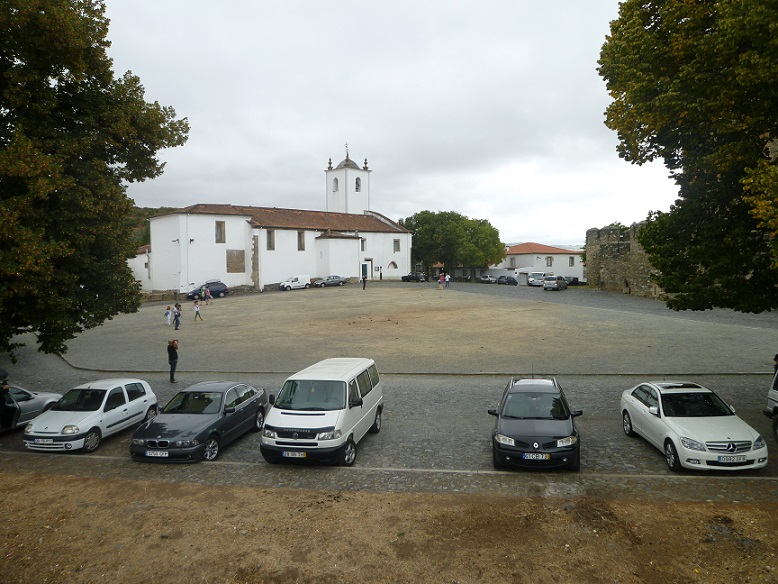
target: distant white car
88 413
692 426
295 282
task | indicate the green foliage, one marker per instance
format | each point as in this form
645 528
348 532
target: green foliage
71 136
453 240
696 85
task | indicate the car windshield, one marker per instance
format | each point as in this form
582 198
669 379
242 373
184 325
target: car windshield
194 402
307 395
81 400
535 406
694 405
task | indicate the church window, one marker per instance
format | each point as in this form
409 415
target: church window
392 265
571 261
512 262
301 241
271 239
334 185
363 244
549 261
220 232
359 184
396 245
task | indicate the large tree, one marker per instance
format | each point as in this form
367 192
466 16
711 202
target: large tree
696 84
71 137
453 240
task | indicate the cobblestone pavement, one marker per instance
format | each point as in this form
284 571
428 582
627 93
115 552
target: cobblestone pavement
435 435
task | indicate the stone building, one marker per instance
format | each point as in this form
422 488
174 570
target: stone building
616 261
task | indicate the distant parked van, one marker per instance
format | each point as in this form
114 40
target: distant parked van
536 278
323 411
295 282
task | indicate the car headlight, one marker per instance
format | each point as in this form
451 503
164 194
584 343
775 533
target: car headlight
692 444
70 429
269 433
331 435
502 439
185 443
569 441
758 443
138 442
28 428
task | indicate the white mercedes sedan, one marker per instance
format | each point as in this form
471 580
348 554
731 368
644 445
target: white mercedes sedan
692 426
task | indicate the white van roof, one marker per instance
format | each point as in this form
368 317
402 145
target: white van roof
338 368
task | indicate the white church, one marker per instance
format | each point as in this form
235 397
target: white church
262 246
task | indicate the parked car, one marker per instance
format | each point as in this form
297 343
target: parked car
218 290
295 283
692 426
571 280
771 411
415 277
536 278
90 412
25 405
323 411
330 281
487 279
535 427
509 280
199 420
554 283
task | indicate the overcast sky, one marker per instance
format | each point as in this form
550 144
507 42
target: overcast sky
493 109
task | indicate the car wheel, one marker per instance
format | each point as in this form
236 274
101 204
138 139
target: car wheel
92 440
151 413
626 423
576 464
671 456
307 286
376 427
221 294
211 451
348 454
496 460
340 283
259 420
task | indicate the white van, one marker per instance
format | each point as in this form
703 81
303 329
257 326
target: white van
536 278
295 282
323 411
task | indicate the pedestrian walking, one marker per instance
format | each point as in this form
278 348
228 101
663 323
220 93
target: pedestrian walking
197 310
208 297
177 315
448 279
168 315
172 358
364 281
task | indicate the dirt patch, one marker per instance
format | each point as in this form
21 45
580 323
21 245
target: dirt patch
77 530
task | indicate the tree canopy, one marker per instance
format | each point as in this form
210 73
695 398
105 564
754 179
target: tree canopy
71 137
453 240
696 85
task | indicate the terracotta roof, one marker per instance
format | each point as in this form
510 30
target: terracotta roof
275 218
530 247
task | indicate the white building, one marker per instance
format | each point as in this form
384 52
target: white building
262 246
525 258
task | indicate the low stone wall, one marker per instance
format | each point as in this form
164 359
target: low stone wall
616 261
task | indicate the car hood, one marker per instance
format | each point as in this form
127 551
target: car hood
712 429
175 426
302 419
54 421
534 428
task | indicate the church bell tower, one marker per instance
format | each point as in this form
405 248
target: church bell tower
348 187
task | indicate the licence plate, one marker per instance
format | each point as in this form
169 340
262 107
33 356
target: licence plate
288 454
157 453
535 456
740 458
43 441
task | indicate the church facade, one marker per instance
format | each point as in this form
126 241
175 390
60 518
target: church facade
259 247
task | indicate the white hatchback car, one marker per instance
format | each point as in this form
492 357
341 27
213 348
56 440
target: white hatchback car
90 412
692 426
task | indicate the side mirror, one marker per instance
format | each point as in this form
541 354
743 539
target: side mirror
355 402
271 399
229 410
654 411
576 413
731 408
491 411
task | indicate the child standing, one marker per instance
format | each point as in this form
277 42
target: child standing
197 310
168 315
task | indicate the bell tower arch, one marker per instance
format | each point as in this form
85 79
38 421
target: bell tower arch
347 186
